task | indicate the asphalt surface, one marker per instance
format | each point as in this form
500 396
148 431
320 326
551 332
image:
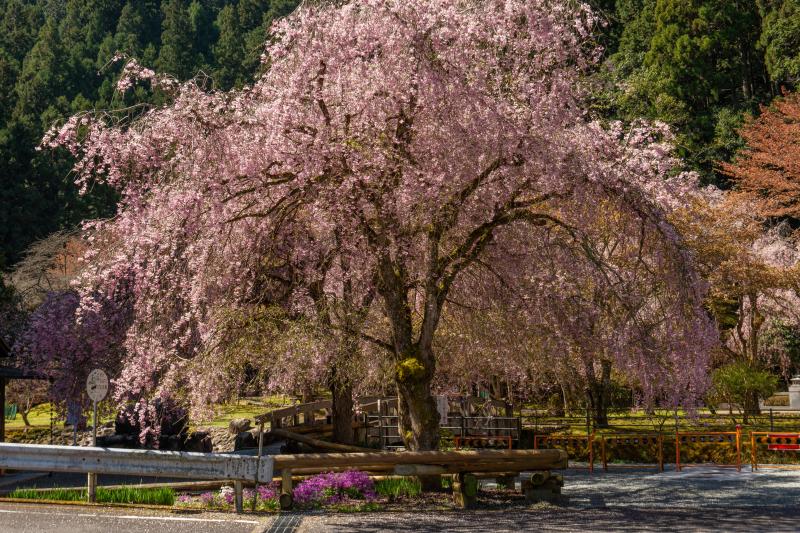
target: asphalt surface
697 499
31 518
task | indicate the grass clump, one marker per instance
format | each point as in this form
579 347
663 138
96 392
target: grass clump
399 487
132 495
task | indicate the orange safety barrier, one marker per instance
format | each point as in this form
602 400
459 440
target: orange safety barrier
490 442
783 442
556 441
653 439
718 437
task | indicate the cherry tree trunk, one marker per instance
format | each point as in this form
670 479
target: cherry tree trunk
419 418
598 394
751 406
342 412
417 413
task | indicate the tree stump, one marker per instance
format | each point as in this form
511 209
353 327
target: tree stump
543 487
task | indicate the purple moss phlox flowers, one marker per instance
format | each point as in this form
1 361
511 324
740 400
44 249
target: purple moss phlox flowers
334 488
268 492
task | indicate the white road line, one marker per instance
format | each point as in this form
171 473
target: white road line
133 517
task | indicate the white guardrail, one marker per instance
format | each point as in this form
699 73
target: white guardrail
151 463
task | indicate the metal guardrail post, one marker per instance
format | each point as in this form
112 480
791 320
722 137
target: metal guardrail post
91 478
738 448
238 496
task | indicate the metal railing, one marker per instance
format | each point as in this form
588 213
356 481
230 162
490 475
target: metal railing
117 461
385 428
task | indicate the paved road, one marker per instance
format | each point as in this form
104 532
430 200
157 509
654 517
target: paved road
698 499
30 518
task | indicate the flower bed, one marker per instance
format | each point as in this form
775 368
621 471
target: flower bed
266 497
351 490
344 491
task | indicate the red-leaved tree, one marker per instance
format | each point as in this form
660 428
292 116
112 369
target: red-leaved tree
768 169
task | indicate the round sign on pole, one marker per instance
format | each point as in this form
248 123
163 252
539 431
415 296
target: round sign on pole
97 385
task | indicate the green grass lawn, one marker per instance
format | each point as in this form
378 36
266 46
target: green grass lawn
245 408
38 417
664 421
134 495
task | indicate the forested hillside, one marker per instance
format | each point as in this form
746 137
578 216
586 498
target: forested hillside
699 65
54 61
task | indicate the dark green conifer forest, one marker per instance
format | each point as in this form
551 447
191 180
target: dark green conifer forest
699 65
54 61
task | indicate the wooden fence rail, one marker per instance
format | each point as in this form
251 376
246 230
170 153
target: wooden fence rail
460 463
239 469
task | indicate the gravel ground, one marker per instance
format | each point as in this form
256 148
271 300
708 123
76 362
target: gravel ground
697 499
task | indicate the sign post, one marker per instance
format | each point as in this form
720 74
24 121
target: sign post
96 388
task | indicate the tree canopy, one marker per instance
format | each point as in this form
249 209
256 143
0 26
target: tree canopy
397 153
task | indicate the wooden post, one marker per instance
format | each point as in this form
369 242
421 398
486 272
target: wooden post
258 463
286 489
238 496
380 425
588 422
543 486
465 490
